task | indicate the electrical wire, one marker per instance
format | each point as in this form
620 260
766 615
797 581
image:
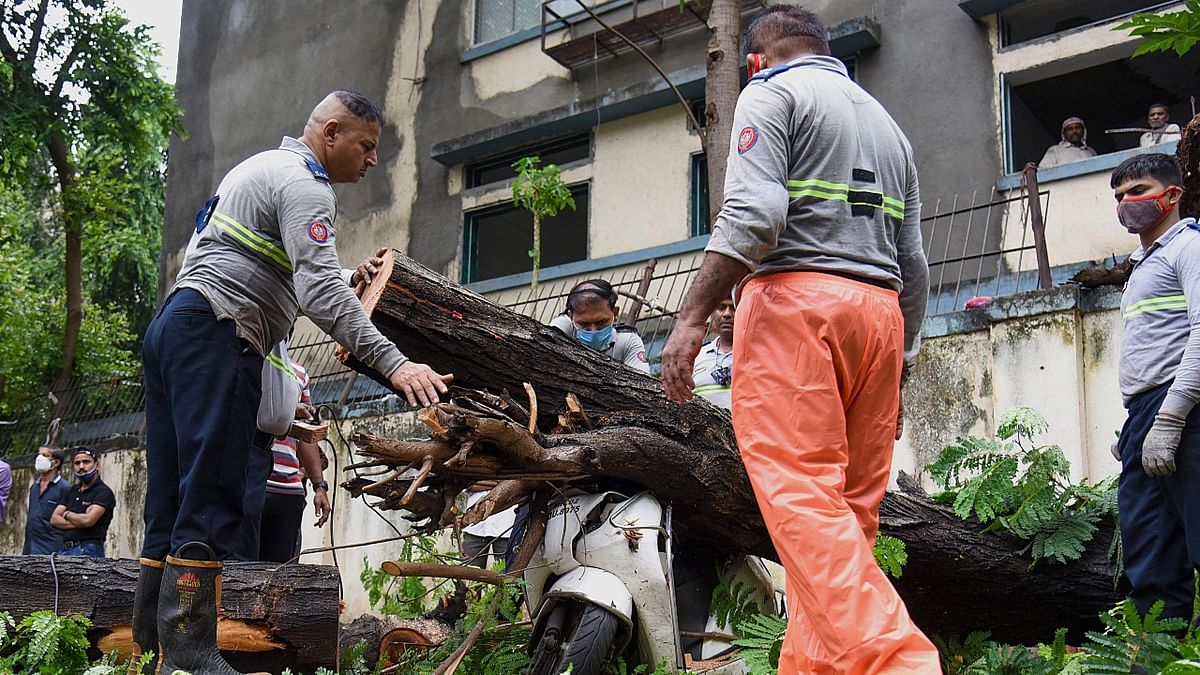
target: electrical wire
54 571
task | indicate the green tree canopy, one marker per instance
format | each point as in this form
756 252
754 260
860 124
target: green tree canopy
84 125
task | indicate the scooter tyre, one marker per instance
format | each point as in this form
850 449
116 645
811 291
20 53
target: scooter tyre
587 645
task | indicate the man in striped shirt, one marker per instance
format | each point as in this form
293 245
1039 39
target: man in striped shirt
286 495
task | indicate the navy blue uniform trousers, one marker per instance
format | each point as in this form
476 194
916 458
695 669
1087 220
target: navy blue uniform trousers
203 384
1160 517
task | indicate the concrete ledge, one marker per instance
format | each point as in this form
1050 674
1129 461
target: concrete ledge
1096 164
1021 305
576 116
845 39
977 9
853 36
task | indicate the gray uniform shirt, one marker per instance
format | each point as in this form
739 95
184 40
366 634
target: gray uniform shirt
266 253
626 345
821 178
1161 310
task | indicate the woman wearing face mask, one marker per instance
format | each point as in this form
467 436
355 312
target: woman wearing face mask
46 493
591 317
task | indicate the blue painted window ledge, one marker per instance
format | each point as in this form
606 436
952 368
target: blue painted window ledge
1083 167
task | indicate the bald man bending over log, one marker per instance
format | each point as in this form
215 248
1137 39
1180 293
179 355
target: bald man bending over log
262 252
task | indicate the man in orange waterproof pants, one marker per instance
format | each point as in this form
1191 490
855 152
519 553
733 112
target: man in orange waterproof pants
821 219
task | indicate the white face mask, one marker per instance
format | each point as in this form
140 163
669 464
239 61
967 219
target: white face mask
41 464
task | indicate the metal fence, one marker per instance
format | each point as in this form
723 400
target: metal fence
107 412
993 247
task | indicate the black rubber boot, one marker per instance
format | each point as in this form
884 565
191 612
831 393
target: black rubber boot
188 600
145 616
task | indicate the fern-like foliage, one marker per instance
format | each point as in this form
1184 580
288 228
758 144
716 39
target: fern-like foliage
45 643
1011 484
891 555
958 654
732 603
762 639
1132 642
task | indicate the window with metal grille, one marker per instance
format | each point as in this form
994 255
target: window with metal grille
495 19
497 239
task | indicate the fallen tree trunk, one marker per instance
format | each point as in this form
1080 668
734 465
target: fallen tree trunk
272 616
957 579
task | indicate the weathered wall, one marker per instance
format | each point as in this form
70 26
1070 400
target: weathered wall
123 470
232 55
1055 351
250 72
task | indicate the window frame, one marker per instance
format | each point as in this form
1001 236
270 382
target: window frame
470 237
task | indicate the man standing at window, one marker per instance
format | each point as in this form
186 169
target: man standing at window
822 212
87 510
1072 148
1162 129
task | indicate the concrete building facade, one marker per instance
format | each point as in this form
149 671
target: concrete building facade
980 87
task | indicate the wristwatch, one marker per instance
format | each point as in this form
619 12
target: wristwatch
320 485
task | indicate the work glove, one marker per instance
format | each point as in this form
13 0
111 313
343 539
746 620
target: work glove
1158 448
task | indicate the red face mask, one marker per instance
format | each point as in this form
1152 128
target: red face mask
755 63
1144 212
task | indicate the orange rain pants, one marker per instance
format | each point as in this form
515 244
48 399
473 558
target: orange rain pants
815 397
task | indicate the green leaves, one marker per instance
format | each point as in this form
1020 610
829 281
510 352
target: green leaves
1010 484
1174 31
540 191
45 643
1131 641
762 639
90 88
891 555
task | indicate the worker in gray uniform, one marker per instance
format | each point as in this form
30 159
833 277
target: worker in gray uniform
820 230
1159 445
591 318
264 252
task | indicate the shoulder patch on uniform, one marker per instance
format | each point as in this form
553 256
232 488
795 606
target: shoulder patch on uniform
642 357
318 232
317 170
747 138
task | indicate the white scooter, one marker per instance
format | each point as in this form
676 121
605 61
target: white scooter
605 583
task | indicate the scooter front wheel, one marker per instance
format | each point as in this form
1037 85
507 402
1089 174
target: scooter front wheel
584 643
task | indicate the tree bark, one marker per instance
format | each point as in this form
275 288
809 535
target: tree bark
272 616
958 579
721 88
73 233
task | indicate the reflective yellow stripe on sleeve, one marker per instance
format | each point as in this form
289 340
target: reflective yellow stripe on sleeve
1161 303
252 240
709 389
285 368
823 189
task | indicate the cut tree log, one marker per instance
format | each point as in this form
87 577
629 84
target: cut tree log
957 579
272 617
